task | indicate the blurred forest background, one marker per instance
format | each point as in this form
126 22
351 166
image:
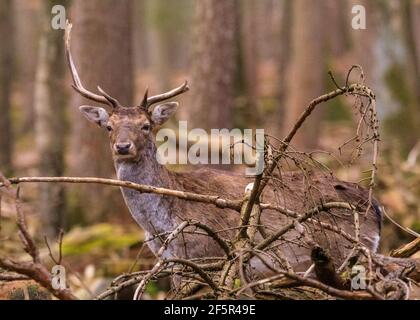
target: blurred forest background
250 64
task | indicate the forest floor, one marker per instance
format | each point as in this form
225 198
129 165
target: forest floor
95 254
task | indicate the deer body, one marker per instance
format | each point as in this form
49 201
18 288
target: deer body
159 215
134 154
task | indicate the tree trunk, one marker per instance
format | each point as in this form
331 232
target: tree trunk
275 121
306 73
409 17
413 58
214 64
160 44
249 61
103 55
50 100
337 14
6 78
363 41
27 41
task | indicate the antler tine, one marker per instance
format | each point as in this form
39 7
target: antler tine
167 95
77 84
144 104
112 100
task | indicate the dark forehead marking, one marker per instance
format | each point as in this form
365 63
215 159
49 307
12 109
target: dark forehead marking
134 113
123 111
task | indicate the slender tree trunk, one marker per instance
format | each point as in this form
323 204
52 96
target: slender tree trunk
338 15
141 58
102 51
363 41
306 72
409 22
160 42
416 25
214 64
282 36
409 17
50 102
249 48
27 41
6 77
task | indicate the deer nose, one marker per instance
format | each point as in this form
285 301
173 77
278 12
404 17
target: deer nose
123 147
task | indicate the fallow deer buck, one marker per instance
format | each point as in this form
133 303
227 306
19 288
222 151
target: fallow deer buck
134 154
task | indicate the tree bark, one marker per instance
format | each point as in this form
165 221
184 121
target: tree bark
103 55
214 65
6 78
249 57
282 52
27 41
50 100
306 72
409 17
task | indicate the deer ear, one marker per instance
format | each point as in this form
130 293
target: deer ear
95 114
162 112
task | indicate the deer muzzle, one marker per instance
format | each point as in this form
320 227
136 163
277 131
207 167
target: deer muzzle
123 148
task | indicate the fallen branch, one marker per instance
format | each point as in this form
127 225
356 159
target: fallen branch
215 200
407 250
35 269
344 294
12 277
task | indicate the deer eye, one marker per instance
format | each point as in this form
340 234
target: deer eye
146 127
109 128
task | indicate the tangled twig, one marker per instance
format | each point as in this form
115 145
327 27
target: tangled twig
232 275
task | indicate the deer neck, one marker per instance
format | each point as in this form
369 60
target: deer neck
151 211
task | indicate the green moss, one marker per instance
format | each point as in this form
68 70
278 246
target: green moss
98 238
35 292
152 289
17 294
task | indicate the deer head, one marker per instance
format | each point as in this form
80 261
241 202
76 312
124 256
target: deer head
129 128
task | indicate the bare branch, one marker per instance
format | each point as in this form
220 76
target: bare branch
407 250
216 200
35 269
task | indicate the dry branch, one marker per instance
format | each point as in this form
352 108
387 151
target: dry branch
223 274
4 276
215 200
407 250
35 270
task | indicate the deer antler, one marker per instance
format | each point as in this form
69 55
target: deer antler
77 84
104 97
114 102
163 96
143 104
